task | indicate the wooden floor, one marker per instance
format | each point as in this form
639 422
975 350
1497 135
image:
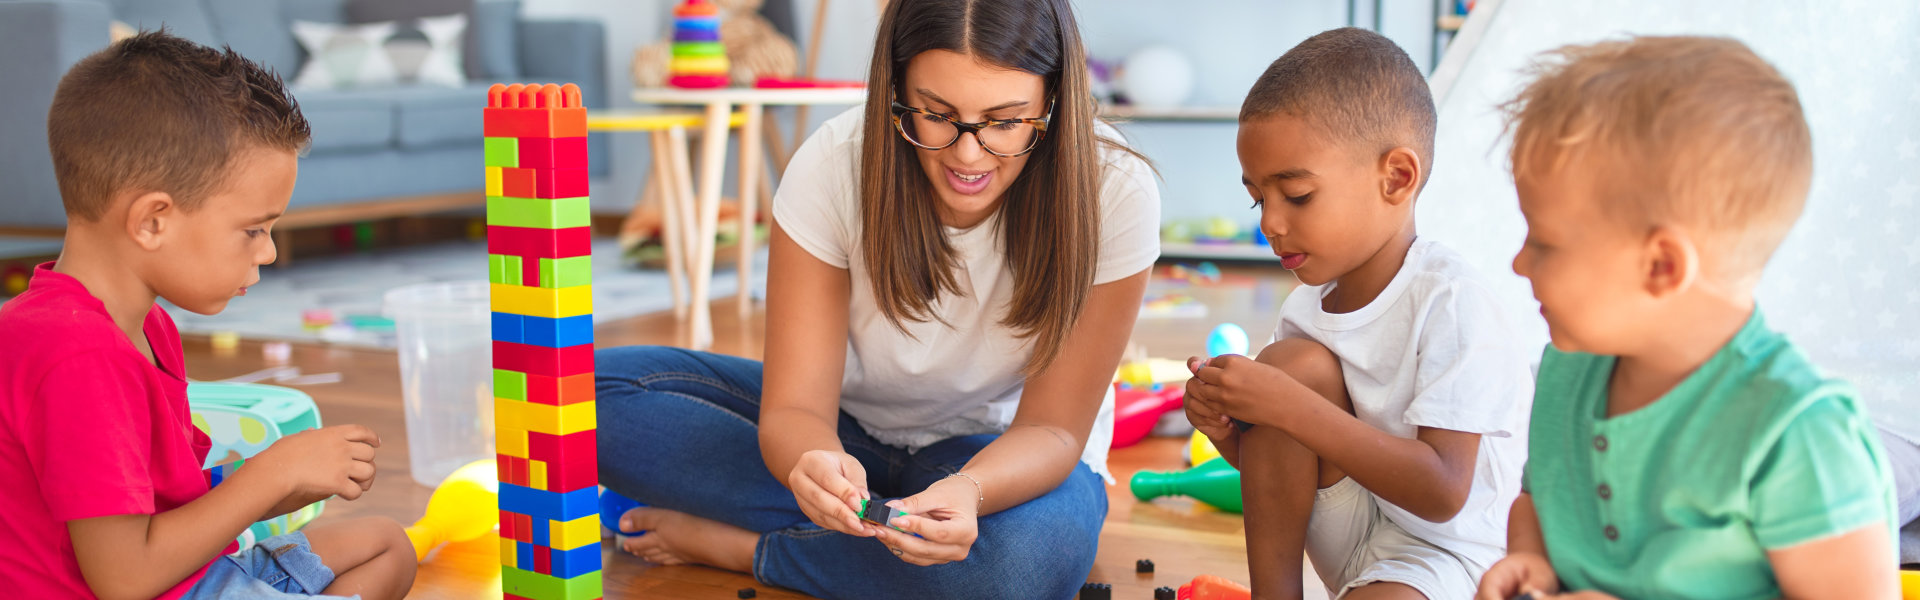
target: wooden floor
1183 539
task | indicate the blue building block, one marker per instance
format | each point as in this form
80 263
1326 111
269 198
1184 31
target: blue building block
509 327
542 533
576 562
557 333
524 554
543 505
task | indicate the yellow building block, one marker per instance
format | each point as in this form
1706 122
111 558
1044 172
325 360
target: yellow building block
510 414
537 474
510 441
496 182
509 554
573 534
552 303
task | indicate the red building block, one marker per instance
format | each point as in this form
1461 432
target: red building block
553 153
507 526
531 242
560 391
572 459
536 360
543 560
539 111
559 183
523 525
518 183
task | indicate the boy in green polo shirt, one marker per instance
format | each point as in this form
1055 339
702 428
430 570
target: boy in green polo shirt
1679 447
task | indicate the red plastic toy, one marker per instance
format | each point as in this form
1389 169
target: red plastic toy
1214 587
1135 411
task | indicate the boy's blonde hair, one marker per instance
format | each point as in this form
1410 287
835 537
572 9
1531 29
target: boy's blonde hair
1692 131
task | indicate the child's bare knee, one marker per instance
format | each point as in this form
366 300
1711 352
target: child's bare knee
1309 363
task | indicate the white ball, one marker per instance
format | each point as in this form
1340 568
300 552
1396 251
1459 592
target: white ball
1157 77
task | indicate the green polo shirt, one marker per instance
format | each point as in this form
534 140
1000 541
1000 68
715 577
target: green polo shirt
1755 450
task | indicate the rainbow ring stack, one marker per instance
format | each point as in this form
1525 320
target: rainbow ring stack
540 259
699 59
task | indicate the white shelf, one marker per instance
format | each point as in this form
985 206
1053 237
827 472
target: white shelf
1218 252
1178 113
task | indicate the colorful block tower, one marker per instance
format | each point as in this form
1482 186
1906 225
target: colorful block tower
539 256
699 59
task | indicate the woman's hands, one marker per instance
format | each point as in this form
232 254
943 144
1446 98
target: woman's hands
829 486
946 517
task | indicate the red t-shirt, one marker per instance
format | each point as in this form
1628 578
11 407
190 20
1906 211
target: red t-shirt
88 428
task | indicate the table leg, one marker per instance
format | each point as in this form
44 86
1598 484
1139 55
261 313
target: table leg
750 168
662 187
713 163
685 217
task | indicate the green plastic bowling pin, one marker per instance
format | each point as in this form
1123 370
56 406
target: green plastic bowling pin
1214 482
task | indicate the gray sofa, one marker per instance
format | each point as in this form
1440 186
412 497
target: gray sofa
387 151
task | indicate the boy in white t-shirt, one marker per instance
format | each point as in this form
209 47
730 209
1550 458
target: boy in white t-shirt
1382 435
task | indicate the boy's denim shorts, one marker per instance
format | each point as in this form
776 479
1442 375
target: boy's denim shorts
280 567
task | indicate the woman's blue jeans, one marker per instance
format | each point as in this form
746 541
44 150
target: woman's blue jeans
679 430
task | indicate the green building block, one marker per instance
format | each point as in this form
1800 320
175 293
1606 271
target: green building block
503 152
534 586
511 385
566 272
504 269
538 213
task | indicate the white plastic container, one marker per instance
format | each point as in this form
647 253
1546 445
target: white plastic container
446 373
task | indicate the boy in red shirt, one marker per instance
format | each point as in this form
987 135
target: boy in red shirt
173 159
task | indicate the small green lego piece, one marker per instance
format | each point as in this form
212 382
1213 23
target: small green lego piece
503 152
511 385
538 213
566 272
504 269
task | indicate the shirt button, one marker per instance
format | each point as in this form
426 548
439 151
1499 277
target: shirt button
1600 443
1613 533
1606 492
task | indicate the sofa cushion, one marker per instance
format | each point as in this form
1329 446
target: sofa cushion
259 30
348 120
429 117
184 18
374 11
496 34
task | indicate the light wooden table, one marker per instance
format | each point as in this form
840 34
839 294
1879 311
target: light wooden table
719 103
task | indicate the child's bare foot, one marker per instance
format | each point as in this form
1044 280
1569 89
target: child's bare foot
675 538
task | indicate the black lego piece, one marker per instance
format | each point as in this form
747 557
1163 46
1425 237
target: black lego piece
745 593
1165 593
1143 566
1096 591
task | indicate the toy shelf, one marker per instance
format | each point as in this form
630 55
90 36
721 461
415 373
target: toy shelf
1180 113
1217 252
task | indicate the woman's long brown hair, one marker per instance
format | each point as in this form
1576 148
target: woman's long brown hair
1051 216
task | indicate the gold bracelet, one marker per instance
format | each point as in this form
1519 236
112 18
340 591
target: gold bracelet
976 488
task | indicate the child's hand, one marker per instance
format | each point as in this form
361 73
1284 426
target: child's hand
945 519
1237 386
316 464
1519 573
1207 417
829 486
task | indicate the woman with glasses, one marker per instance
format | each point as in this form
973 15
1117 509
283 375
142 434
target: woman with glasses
955 270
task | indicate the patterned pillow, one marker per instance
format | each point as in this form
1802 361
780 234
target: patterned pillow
422 51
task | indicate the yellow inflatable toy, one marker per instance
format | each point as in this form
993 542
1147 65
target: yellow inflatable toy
464 507
1200 449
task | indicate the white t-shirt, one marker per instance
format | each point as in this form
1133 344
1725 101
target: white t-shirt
1435 349
963 377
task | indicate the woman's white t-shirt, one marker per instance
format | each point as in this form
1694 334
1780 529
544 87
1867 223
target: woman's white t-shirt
962 377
